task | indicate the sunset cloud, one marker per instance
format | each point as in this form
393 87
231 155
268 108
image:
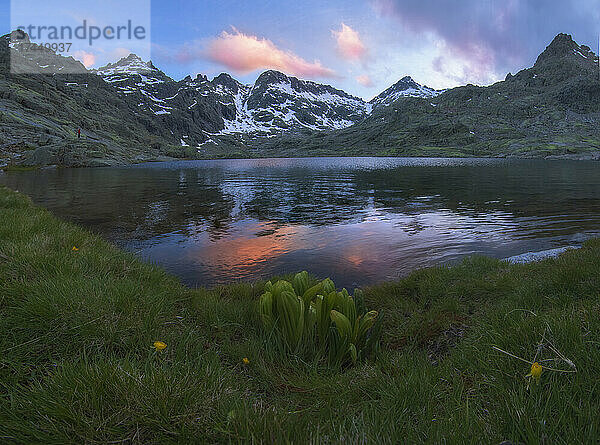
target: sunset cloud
244 53
88 59
490 39
364 80
349 43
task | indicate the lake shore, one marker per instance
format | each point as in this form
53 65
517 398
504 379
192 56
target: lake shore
79 317
18 163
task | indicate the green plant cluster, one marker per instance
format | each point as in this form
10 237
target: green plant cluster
308 318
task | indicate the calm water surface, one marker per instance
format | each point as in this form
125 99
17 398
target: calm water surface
357 220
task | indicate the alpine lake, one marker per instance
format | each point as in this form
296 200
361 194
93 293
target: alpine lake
357 220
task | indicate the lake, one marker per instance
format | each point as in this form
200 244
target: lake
356 220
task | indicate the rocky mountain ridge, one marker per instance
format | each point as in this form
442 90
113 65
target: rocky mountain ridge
551 109
405 87
130 111
274 104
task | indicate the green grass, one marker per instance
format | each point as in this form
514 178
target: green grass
77 364
18 168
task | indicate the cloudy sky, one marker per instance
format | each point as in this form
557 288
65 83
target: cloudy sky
361 46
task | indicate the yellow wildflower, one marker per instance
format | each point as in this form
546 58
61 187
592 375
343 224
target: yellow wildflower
245 360
159 345
536 372
74 249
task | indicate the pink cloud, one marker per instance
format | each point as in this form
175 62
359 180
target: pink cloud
246 53
487 39
364 80
349 43
88 59
119 53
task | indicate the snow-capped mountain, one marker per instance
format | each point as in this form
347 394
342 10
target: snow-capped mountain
132 76
131 111
277 103
274 104
194 111
405 87
190 109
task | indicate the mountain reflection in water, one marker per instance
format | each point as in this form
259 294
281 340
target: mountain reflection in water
358 220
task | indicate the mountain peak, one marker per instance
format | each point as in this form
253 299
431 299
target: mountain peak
222 78
131 64
560 46
18 36
562 39
405 87
226 81
132 57
406 82
200 78
272 76
563 46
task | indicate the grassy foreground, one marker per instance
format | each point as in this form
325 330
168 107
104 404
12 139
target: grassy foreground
77 363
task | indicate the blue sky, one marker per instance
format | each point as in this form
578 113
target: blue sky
359 46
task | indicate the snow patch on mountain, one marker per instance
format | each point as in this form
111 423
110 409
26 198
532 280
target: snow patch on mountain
277 103
128 66
405 87
131 75
274 104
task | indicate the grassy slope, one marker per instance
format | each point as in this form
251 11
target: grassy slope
76 363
